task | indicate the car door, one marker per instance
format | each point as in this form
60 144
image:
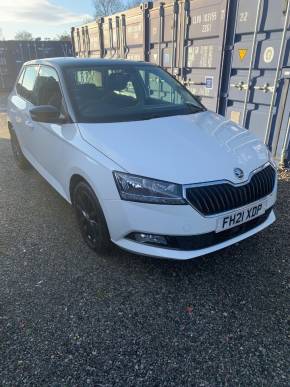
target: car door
21 103
47 142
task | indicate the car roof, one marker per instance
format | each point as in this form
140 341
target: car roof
62 62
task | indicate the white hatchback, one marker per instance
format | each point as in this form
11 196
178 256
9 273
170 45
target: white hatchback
143 163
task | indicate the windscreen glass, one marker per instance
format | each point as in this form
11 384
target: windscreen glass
126 93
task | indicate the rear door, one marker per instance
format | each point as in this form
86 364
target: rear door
21 103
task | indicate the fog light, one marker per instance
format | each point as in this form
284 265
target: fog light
149 238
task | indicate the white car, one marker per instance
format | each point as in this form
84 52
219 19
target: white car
143 163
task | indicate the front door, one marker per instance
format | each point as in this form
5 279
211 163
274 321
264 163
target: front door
47 142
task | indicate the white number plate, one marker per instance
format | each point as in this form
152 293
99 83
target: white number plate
241 216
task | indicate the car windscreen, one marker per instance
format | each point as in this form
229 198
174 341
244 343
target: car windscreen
113 93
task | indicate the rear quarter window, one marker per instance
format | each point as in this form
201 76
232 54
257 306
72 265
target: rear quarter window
20 80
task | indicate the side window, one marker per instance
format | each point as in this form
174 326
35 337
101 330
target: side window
25 89
47 88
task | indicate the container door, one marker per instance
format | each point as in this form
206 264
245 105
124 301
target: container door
76 39
280 142
133 24
94 40
164 22
248 87
202 42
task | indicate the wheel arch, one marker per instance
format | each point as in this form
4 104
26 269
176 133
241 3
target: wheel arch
78 176
74 180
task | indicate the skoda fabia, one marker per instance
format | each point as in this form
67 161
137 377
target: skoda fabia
141 160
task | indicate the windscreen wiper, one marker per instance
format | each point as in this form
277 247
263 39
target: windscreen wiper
194 108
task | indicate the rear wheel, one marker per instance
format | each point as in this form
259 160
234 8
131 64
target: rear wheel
19 157
90 217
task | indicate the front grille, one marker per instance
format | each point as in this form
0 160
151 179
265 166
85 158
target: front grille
216 198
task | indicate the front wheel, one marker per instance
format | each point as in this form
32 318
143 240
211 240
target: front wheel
90 217
19 157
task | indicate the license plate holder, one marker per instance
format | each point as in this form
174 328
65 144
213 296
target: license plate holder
240 216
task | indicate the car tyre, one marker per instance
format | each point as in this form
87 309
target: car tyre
91 219
19 157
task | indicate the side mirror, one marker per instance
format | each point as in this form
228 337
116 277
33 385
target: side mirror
45 113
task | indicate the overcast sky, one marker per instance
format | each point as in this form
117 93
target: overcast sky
45 18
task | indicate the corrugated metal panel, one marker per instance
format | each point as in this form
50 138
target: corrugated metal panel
280 142
202 44
249 73
163 30
14 53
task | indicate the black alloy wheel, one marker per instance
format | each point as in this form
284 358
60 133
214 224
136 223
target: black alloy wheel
90 218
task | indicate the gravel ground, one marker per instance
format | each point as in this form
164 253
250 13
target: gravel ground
3 101
71 318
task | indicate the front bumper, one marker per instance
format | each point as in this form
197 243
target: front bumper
124 218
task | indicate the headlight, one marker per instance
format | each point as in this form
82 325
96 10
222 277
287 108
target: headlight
142 189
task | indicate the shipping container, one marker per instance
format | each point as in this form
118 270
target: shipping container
234 54
255 84
185 37
14 53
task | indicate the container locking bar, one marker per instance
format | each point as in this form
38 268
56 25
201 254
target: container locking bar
284 155
161 26
253 56
124 37
118 49
185 44
112 49
278 74
101 36
174 32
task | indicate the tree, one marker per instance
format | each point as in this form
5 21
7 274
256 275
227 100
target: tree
132 3
23 35
107 7
64 36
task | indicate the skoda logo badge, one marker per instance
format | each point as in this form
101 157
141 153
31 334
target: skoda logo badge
239 173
